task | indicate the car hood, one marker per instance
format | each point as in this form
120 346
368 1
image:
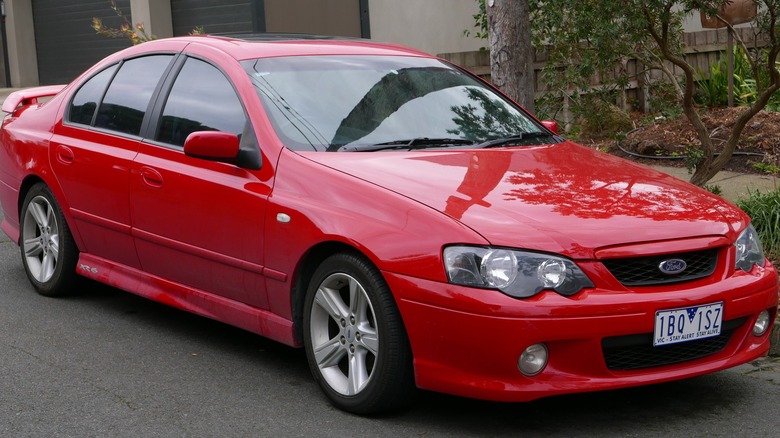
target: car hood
561 198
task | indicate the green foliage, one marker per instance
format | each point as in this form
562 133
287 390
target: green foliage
601 119
591 42
749 88
764 210
548 107
588 42
693 157
590 39
480 22
714 189
712 87
768 168
664 100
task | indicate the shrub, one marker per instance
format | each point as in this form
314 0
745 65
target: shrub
712 87
766 168
601 119
764 210
714 189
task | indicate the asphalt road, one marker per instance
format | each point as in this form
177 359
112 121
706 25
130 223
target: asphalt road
107 363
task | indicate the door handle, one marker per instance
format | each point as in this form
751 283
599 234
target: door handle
151 177
65 155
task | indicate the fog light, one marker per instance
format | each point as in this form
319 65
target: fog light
533 360
762 323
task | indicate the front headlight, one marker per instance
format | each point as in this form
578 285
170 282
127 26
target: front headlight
519 274
749 250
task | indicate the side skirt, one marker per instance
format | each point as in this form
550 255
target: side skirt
259 321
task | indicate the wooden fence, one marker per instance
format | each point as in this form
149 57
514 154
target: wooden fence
702 49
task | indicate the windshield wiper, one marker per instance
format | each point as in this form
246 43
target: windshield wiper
515 139
409 144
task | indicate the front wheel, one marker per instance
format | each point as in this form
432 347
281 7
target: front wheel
354 337
49 253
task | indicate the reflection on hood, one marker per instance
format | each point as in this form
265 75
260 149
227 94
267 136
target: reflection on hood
562 198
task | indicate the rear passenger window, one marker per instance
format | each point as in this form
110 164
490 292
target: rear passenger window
85 102
128 96
201 99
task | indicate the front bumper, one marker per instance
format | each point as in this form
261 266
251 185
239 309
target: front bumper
467 341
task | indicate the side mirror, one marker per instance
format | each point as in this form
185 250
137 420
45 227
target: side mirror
212 145
552 125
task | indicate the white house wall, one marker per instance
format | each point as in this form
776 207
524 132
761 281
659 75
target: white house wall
433 26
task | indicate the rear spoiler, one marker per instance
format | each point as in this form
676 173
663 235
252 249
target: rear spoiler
29 96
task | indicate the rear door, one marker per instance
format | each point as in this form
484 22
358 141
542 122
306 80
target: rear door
197 222
93 149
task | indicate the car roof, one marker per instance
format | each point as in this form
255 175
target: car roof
251 46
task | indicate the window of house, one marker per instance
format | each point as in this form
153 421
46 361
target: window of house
202 99
127 98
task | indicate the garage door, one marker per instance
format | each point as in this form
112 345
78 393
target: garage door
64 38
244 16
325 17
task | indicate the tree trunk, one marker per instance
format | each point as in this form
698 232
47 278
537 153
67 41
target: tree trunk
511 53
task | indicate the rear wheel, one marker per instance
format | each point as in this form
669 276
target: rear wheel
354 337
49 253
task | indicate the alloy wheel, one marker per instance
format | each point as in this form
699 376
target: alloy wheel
344 336
41 234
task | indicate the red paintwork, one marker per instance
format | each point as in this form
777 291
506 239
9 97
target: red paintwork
471 349
29 96
93 168
552 125
211 144
523 198
203 235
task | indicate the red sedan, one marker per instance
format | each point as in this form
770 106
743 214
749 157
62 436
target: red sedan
392 214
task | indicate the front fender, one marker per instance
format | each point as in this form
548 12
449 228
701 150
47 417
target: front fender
312 204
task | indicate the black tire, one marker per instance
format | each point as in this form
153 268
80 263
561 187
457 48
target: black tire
49 254
364 328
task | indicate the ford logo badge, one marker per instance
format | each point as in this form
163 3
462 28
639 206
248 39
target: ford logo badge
672 266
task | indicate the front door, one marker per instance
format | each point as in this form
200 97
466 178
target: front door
197 222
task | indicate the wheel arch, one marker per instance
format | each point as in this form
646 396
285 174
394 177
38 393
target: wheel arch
24 188
389 360
305 271
33 179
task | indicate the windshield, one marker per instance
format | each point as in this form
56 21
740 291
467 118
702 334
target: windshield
352 103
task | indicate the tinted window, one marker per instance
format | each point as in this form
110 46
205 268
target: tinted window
125 103
85 102
201 99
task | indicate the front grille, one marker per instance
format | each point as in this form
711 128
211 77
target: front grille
643 271
635 352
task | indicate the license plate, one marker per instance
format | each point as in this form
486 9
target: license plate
687 324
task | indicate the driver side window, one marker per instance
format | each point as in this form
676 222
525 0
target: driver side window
201 99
